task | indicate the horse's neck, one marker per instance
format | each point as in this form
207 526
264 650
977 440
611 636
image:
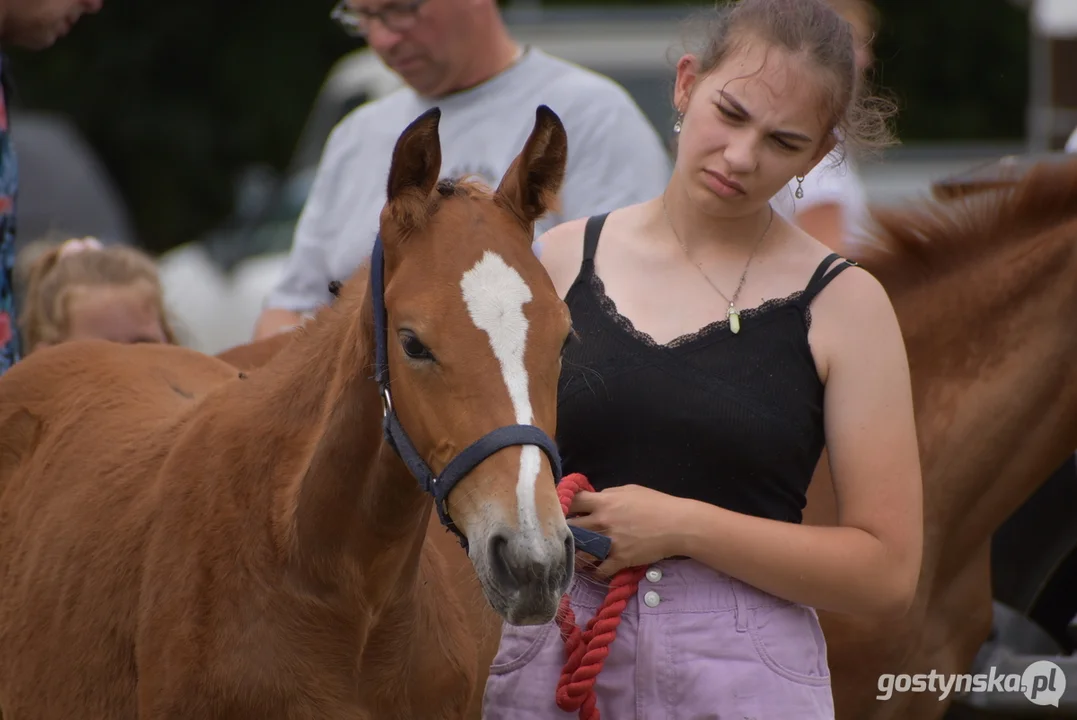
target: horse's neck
1000 410
420 653
353 513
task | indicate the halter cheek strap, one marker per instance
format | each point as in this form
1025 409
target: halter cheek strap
470 457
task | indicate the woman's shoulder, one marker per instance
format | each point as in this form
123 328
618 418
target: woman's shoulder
846 281
852 315
560 249
851 304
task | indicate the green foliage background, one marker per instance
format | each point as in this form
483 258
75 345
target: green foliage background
179 97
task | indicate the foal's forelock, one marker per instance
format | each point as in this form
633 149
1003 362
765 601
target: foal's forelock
409 214
495 295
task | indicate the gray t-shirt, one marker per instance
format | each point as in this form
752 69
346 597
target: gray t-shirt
615 158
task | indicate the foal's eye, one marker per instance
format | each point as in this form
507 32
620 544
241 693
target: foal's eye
414 348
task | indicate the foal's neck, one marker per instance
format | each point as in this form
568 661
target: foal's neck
354 512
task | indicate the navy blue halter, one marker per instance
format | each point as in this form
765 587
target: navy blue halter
466 461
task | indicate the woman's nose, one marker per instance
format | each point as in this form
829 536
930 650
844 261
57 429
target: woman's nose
740 154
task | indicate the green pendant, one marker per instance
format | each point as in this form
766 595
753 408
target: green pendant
734 319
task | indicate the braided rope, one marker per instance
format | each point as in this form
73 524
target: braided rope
586 651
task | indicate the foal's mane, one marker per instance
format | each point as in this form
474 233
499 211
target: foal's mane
912 243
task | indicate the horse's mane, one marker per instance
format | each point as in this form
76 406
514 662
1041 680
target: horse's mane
937 236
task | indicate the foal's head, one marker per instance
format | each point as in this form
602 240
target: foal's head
475 332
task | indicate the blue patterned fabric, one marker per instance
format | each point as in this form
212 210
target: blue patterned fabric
9 184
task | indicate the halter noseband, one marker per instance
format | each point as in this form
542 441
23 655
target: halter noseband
468 458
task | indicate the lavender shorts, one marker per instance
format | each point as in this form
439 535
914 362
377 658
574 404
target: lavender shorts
693 644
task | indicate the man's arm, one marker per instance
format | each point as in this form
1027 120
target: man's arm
305 282
273 321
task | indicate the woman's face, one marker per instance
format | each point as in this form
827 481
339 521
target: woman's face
749 126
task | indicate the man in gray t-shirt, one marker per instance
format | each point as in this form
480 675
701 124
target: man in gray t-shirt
459 56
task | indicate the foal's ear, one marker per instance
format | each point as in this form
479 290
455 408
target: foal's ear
416 165
533 180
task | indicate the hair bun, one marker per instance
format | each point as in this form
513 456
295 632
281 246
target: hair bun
77 245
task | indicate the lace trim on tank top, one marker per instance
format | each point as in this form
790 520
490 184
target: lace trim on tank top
608 306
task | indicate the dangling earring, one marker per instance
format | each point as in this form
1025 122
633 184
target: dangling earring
677 125
800 189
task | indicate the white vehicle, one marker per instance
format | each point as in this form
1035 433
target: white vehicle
215 286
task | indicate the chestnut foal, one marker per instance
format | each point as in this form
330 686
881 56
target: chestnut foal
182 540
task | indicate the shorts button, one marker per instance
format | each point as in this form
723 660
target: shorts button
652 599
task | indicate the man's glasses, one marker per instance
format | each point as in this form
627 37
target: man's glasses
396 17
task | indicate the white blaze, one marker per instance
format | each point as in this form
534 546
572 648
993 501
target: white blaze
495 295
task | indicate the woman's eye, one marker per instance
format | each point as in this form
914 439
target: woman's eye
414 348
728 113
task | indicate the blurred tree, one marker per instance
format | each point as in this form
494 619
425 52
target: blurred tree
959 68
179 98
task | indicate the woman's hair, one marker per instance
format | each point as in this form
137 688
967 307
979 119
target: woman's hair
816 30
80 263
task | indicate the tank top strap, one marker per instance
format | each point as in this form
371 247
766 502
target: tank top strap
824 273
591 232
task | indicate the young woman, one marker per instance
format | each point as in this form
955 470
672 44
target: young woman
719 350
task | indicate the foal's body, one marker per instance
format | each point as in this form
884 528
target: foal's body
118 490
159 529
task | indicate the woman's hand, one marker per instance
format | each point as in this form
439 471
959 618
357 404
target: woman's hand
641 523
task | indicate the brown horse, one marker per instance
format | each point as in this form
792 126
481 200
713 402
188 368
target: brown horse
182 540
985 289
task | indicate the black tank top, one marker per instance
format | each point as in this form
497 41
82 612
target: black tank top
731 420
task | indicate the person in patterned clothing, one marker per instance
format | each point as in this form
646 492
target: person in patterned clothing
34 25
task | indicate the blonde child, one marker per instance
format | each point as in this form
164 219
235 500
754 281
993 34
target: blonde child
83 289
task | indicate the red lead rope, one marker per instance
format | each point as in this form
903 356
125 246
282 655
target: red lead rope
586 651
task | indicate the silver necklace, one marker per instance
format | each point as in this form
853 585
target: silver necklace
732 314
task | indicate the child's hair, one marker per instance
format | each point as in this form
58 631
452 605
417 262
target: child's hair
76 263
814 29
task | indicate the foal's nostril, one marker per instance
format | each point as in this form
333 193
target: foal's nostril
500 563
514 571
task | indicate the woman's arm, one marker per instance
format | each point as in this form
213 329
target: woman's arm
870 562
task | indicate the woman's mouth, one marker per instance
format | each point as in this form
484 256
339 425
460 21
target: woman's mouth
723 186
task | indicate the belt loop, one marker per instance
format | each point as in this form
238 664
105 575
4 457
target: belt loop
741 605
